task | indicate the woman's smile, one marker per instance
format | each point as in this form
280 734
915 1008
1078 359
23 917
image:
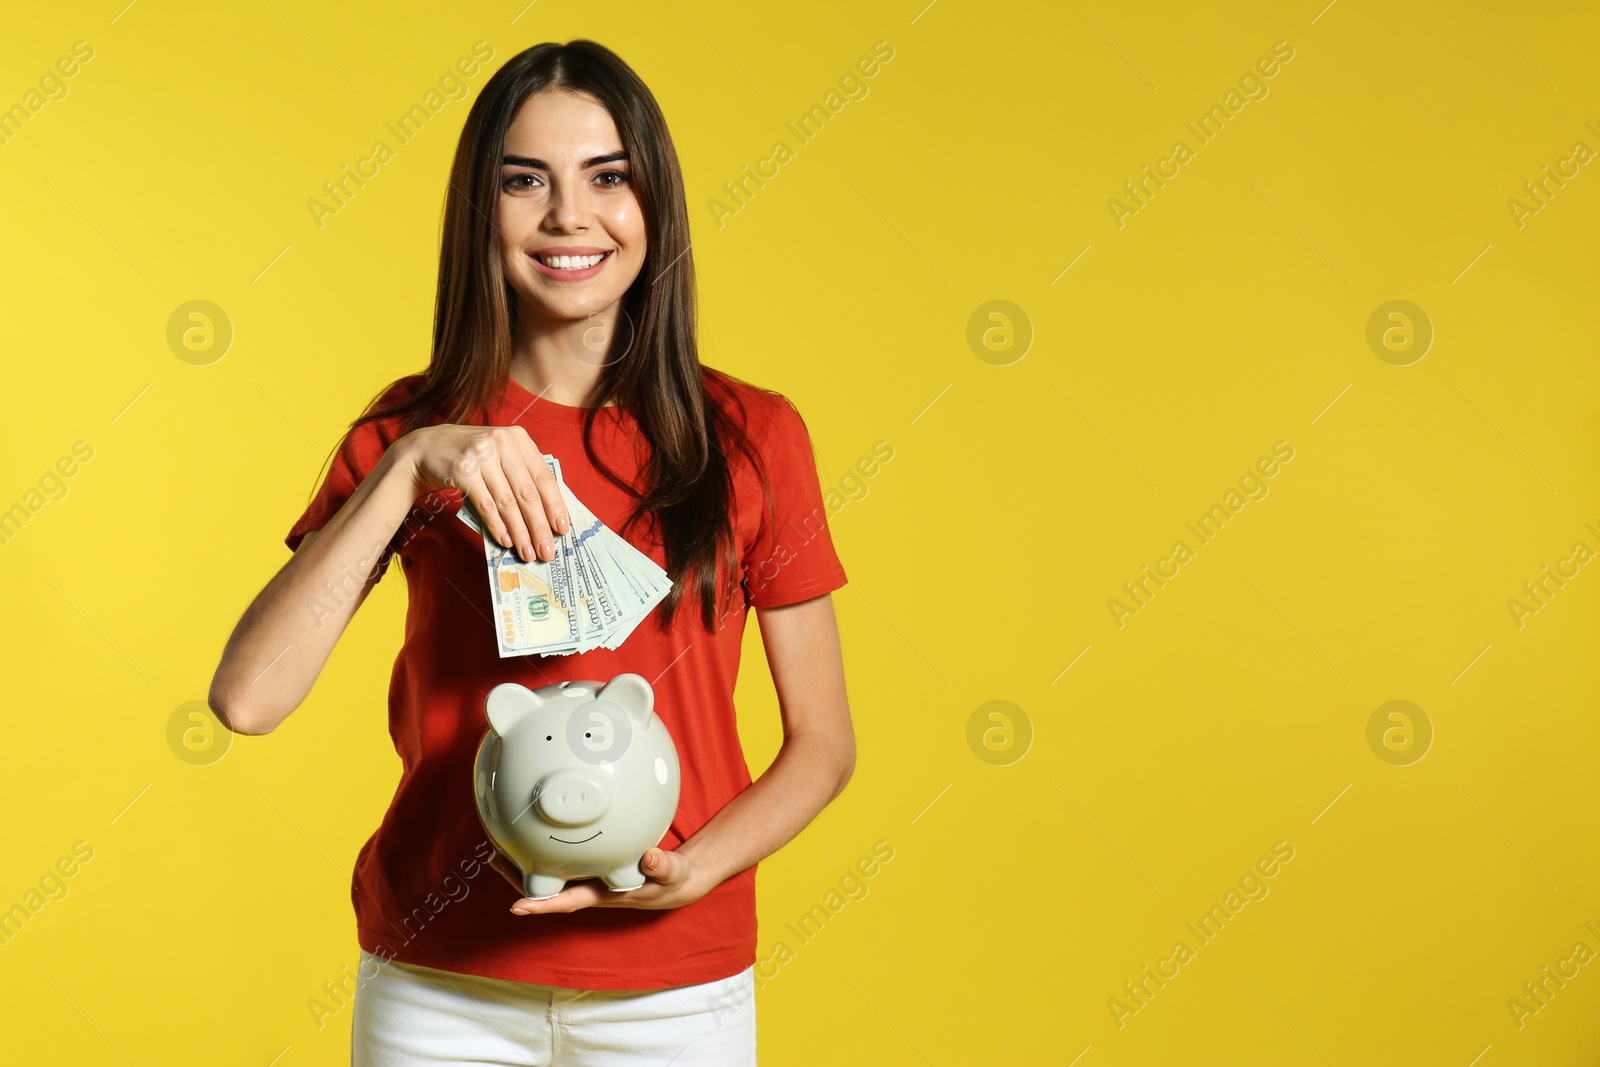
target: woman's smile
571 264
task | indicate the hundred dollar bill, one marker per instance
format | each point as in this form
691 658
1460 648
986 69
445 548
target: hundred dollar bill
593 594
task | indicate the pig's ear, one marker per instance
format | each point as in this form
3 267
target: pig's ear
632 694
508 704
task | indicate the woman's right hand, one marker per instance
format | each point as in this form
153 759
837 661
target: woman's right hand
501 471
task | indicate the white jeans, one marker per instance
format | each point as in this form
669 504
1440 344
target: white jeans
407 1015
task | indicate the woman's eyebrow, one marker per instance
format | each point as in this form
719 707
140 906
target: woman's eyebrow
529 161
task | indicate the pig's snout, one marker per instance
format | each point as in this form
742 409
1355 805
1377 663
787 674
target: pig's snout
571 798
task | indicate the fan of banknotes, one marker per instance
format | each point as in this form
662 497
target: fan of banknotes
591 595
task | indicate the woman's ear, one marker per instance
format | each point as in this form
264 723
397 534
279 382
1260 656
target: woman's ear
508 704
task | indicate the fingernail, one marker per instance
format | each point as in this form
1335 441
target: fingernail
527 551
547 549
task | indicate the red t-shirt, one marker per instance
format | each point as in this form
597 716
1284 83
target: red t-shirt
422 890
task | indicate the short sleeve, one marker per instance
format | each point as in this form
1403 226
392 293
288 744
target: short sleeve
359 452
792 557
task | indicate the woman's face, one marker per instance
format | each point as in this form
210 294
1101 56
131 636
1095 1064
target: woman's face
566 190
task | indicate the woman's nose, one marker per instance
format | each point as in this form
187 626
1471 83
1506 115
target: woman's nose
567 211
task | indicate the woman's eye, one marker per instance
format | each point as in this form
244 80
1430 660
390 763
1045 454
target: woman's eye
515 181
620 177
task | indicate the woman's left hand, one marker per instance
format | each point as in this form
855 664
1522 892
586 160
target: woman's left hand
670 882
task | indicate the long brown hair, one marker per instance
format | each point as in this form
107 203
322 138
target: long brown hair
660 382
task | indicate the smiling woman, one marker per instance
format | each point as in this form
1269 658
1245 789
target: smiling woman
565 324
601 185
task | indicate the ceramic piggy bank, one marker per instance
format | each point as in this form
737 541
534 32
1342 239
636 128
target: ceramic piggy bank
576 780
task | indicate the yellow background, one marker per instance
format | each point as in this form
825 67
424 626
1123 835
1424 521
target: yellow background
1228 314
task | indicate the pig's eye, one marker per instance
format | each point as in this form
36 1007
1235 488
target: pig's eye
547 737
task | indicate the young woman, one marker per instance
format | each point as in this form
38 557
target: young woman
565 324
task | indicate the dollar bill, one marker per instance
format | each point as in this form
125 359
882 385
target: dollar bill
593 594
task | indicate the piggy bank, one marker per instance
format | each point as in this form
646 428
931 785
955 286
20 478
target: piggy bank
576 780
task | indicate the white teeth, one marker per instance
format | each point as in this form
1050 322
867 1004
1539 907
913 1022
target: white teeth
570 262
